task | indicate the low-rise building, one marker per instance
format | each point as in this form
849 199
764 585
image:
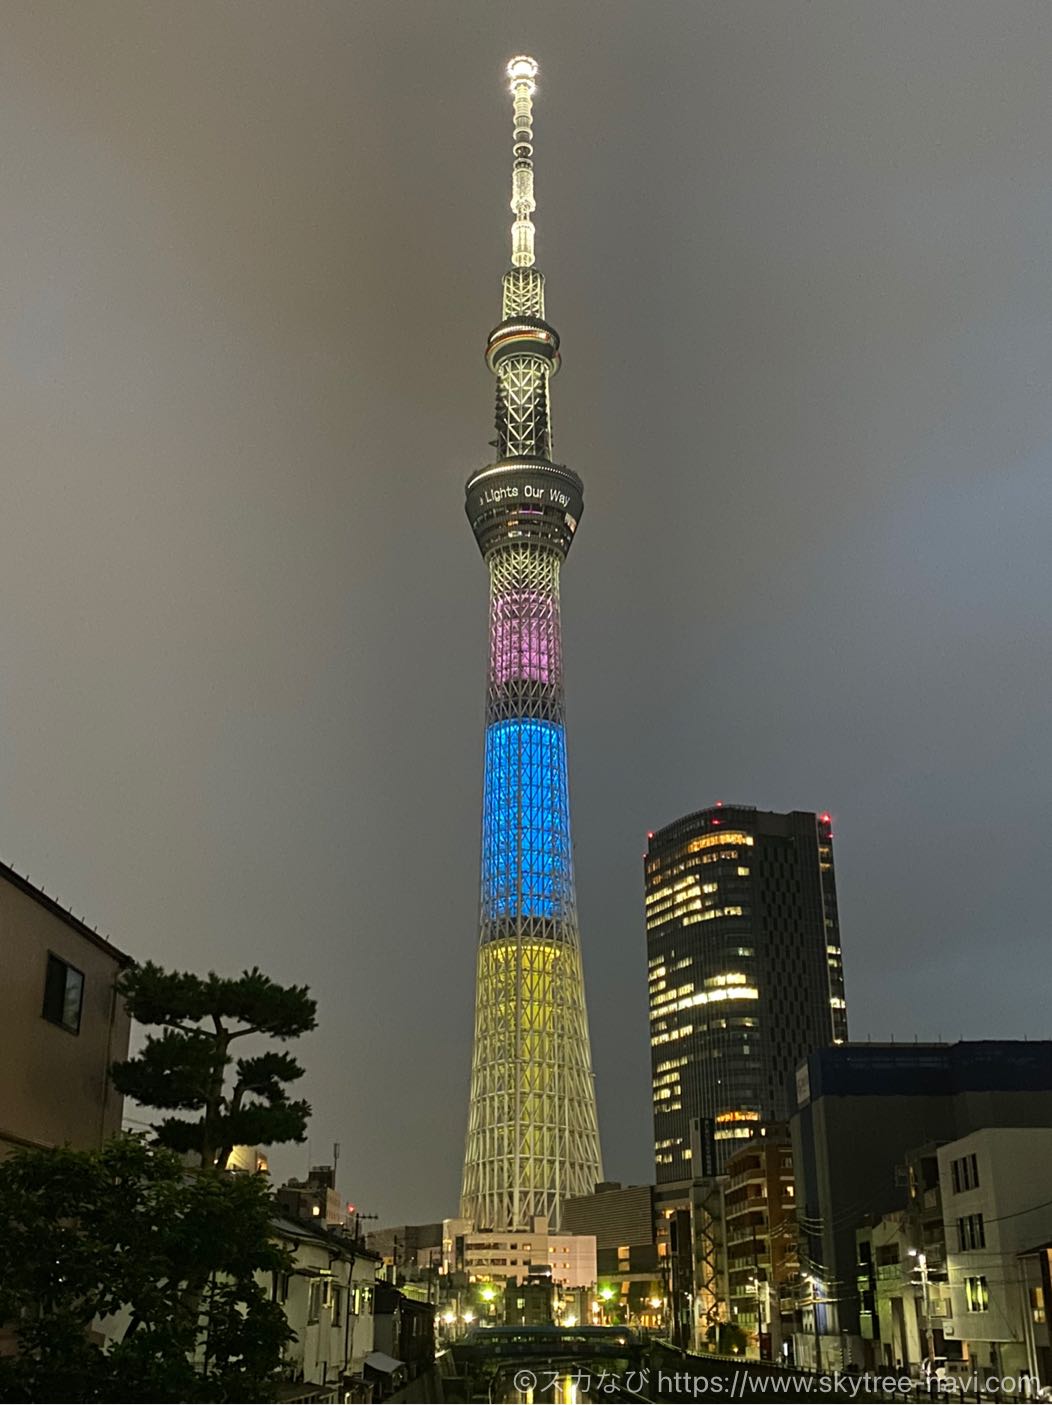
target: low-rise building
493 1256
531 1302
996 1206
62 1024
760 1225
901 1276
328 1299
404 1333
903 1299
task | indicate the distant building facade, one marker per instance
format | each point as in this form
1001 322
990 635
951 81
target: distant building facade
314 1198
61 1024
409 1246
495 1257
745 971
630 1260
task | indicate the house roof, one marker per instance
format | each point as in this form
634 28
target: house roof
325 1236
1037 1249
57 910
380 1361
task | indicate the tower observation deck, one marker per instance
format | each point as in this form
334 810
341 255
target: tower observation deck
532 1137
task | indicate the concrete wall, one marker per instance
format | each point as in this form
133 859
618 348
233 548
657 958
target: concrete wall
616 1216
55 1086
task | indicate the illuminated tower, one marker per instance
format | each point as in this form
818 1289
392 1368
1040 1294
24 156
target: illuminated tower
532 1136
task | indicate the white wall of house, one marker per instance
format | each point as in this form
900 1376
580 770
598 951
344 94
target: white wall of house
1005 1212
329 1305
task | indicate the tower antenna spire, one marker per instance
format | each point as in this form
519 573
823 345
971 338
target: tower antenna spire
522 81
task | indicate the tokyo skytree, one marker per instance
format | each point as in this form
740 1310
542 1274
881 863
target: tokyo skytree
532 1137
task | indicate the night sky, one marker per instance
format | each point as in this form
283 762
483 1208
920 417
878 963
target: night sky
800 256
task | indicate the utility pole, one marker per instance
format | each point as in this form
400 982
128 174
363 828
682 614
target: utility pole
929 1339
814 1308
756 1285
356 1223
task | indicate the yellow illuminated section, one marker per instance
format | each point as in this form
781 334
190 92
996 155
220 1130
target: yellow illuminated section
532 1080
714 841
711 914
728 985
736 1124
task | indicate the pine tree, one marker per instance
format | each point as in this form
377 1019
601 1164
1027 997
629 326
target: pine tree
186 1067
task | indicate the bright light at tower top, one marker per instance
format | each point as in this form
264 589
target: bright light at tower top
522 69
522 73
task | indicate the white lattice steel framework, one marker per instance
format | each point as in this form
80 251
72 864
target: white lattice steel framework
532 1133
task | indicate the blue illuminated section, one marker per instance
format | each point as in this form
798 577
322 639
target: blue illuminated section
525 821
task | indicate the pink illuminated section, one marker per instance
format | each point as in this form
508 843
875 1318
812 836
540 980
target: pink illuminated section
524 638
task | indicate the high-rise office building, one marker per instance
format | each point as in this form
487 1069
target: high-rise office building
745 974
532 1135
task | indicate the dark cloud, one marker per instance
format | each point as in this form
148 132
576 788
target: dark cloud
799 257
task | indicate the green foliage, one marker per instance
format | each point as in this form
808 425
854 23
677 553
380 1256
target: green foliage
160 1259
728 1338
185 1067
